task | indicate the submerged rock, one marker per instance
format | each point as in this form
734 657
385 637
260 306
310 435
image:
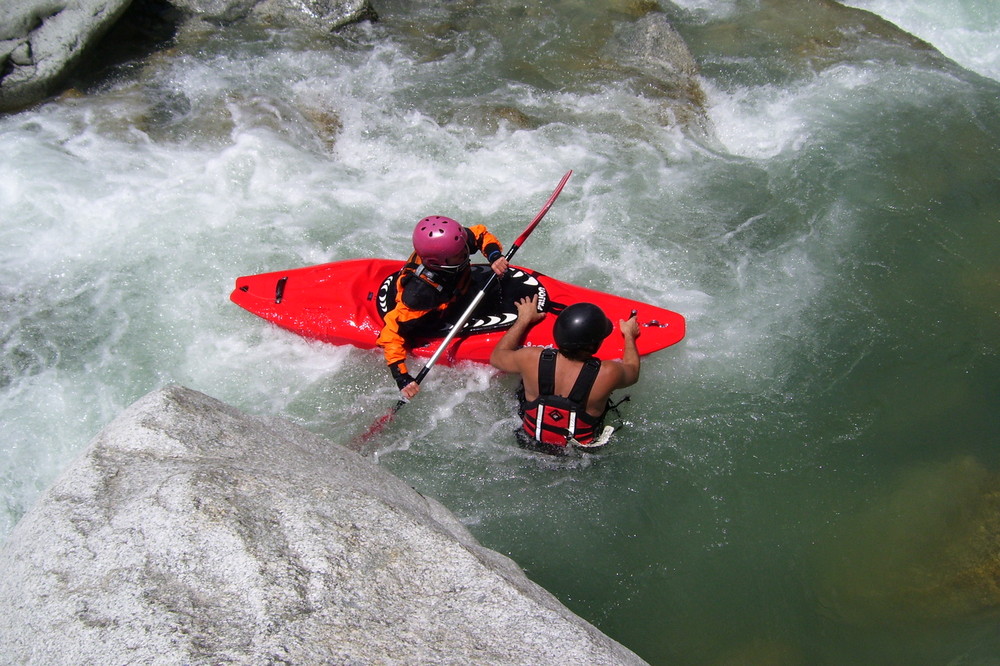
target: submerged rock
653 47
819 34
319 14
927 551
189 532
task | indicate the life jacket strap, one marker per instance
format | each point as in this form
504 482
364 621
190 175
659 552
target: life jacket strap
584 381
428 277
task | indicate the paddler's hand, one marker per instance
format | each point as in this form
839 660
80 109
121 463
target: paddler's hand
527 311
408 386
629 327
500 266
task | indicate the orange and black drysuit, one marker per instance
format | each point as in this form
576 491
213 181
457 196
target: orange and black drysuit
425 298
552 422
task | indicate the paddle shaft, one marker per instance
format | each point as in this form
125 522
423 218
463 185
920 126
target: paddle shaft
385 418
456 329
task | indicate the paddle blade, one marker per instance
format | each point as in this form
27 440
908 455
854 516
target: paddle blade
538 218
375 428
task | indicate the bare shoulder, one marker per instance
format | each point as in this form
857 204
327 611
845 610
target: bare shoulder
527 360
515 360
530 353
613 375
612 369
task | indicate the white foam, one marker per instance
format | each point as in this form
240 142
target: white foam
967 31
766 121
709 9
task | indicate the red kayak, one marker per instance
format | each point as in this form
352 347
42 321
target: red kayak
343 303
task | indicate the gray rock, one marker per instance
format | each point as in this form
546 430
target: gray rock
652 48
189 532
324 15
42 40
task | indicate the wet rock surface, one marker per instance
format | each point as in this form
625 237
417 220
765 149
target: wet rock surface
189 532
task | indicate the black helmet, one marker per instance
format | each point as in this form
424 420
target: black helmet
581 326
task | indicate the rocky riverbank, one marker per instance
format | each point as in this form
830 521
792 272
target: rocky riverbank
189 532
43 43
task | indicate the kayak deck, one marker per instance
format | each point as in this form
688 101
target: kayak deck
343 302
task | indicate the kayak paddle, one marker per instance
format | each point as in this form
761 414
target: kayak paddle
383 420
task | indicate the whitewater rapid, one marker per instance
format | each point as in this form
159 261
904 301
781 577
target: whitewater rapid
967 31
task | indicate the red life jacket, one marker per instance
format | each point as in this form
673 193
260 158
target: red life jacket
551 419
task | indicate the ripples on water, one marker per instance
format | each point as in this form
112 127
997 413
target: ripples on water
829 234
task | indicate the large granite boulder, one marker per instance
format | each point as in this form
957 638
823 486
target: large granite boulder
42 40
189 532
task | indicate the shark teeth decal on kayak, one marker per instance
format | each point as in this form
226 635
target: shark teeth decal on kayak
518 274
517 282
505 319
383 294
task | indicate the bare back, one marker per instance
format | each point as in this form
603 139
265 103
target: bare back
610 377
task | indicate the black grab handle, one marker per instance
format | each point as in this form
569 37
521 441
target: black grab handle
279 289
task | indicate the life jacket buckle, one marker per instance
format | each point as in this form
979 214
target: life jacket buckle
428 278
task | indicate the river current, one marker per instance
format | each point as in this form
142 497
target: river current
810 477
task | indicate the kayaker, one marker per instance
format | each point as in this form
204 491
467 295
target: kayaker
565 391
435 280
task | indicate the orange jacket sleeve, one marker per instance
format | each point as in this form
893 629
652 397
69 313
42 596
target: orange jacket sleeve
391 341
486 242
